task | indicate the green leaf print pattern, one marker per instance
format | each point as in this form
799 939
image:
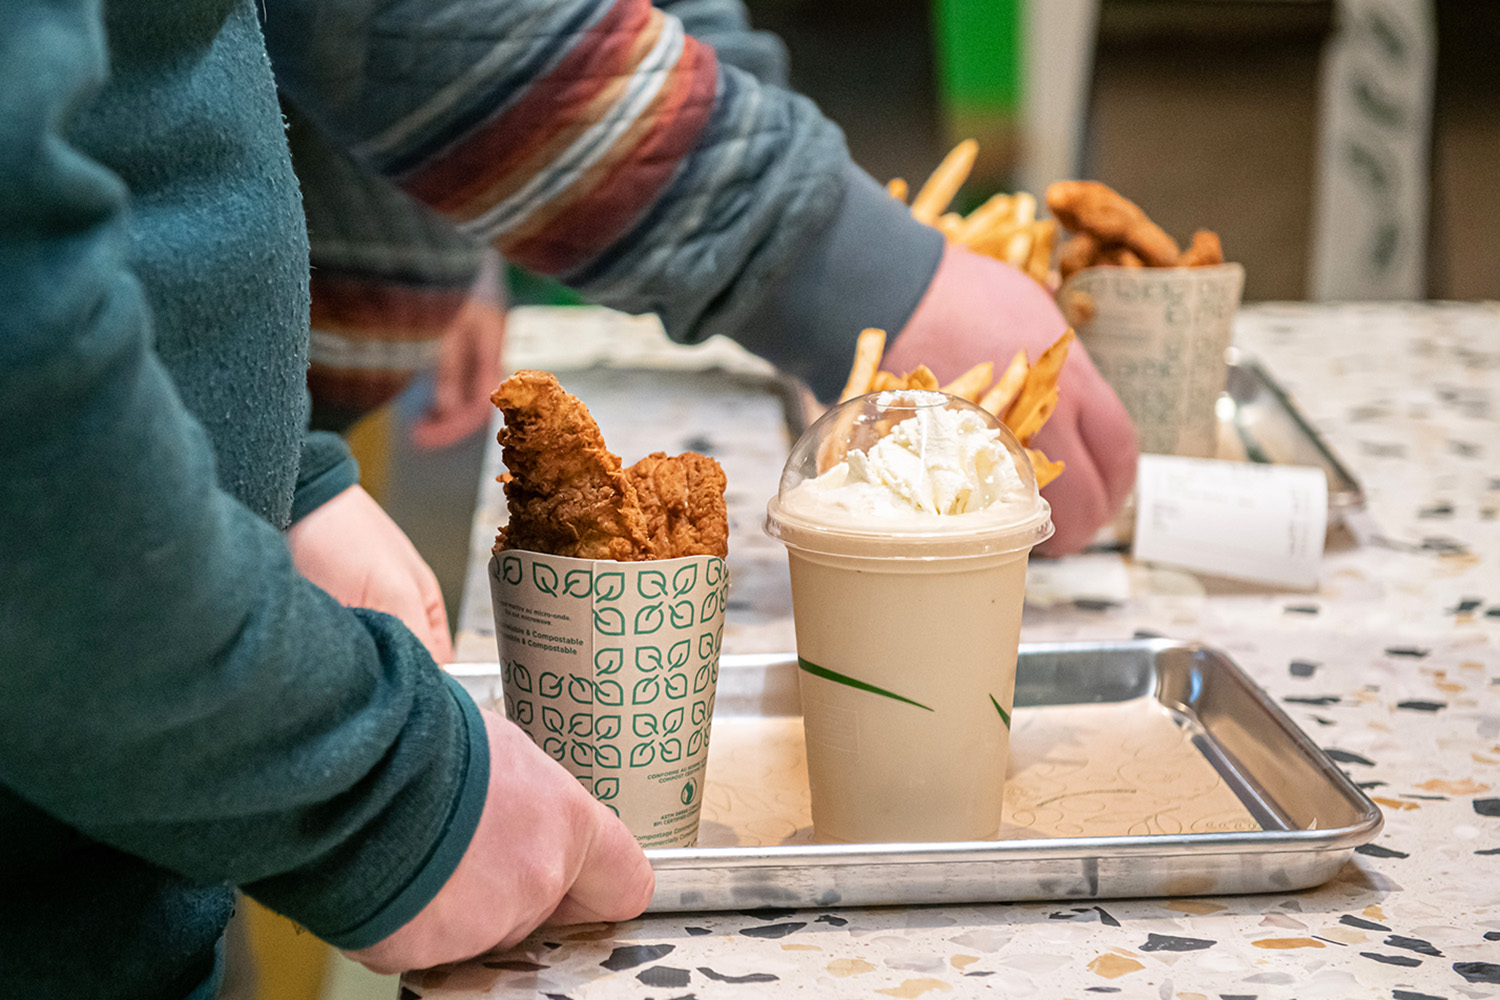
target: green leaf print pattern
1004 715
845 679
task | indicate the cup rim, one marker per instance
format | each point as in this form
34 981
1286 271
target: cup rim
950 537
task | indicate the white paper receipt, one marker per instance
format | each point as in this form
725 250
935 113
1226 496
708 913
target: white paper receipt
1264 523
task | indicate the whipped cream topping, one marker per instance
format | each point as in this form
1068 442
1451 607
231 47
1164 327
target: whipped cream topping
938 462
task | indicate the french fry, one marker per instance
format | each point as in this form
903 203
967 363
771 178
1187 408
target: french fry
886 381
1044 233
922 378
1018 247
1000 395
944 183
1045 468
896 187
994 241
1204 251
1004 227
1038 397
1025 208
868 350
949 224
1030 412
1049 366
999 210
867 353
972 382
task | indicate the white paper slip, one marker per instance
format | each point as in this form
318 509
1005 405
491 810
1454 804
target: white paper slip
1263 523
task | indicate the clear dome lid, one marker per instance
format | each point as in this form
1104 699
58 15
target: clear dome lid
908 474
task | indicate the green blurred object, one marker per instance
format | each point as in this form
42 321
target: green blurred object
528 289
980 72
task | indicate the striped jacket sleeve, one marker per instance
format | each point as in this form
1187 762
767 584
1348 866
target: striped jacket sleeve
594 140
389 275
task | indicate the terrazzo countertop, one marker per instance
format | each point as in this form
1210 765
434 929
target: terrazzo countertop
1392 665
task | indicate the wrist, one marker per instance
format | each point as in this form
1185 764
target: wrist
869 265
976 308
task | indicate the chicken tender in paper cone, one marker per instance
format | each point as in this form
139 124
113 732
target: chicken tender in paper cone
609 586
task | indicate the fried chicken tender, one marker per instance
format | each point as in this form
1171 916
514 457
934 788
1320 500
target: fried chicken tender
1112 218
682 498
1078 252
567 494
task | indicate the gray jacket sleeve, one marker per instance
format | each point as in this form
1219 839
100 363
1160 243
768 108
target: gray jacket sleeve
598 142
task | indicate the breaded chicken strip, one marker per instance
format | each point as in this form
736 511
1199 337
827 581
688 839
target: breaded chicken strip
682 498
567 494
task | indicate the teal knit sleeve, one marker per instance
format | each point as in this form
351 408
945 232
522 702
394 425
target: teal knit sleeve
171 686
326 470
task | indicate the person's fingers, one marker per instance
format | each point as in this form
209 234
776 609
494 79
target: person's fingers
1110 436
1079 491
468 370
443 430
431 594
452 362
437 640
489 347
402 599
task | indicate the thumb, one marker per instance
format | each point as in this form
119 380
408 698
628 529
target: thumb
615 881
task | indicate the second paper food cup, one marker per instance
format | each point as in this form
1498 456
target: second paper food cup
611 668
1158 336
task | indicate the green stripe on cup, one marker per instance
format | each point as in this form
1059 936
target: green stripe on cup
1004 715
838 678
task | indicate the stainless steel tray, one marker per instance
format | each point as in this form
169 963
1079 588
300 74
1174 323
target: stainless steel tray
1207 788
1259 423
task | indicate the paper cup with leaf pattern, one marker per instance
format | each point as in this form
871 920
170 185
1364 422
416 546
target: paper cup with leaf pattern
611 667
1158 335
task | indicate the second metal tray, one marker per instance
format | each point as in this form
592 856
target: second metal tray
1259 423
1141 768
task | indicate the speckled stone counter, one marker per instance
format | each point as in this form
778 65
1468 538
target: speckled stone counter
1392 665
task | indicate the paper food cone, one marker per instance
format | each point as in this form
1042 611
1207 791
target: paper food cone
611 667
1159 336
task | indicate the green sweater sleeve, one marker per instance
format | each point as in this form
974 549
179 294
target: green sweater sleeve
326 469
172 687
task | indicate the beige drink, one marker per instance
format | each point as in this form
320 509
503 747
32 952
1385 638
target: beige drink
908 518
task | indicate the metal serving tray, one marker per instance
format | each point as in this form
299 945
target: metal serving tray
1259 423
1140 768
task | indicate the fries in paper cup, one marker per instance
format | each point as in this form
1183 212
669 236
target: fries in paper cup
1107 228
1005 227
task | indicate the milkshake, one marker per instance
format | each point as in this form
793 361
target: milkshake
908 517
